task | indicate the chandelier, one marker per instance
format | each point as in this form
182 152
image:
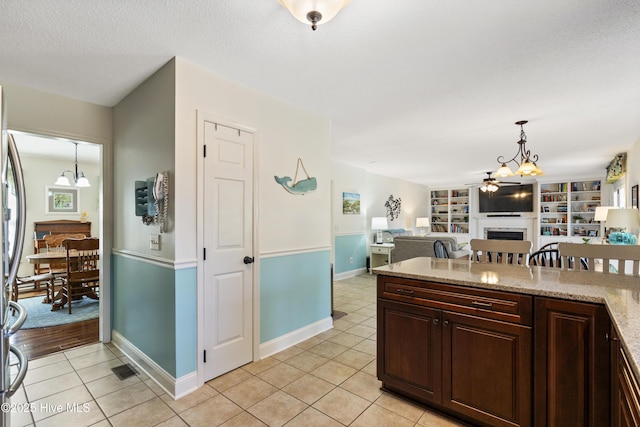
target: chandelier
523 158
315 12
79 179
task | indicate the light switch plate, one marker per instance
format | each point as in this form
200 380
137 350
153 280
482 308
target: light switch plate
154 242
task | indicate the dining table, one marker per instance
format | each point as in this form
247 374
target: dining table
56 257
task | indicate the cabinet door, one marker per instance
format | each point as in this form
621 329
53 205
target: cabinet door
409 350
625 391
571 366
487 369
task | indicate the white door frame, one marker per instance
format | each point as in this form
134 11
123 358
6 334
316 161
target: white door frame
201 118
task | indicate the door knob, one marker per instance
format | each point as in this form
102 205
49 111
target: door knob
248 260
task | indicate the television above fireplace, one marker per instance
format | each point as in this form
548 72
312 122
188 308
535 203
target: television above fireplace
508 198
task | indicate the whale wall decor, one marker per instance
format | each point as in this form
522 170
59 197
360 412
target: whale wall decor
298 187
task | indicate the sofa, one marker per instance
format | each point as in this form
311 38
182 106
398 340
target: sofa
406 247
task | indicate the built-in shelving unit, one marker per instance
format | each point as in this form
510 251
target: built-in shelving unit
459 211
568 208
439 211
450 211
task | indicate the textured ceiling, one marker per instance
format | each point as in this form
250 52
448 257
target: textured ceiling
421 90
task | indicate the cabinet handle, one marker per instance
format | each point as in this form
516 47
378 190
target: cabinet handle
610 338
446 322
482 304
404 291
436 321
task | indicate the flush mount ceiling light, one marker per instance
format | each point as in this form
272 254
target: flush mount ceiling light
526 162
316 12
79 179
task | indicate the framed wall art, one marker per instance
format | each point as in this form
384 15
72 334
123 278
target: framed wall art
61 200
351 203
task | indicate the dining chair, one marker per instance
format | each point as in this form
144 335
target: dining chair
29 284
615 258
59 270
83 272
440 249
40 245
549 256
501 251
545 258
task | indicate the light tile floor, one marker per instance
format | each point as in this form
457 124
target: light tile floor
328 380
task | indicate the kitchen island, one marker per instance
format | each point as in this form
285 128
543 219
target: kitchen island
510 345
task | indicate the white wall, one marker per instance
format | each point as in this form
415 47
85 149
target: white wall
284 134
348 179
415 200
374 192
144 135
31 110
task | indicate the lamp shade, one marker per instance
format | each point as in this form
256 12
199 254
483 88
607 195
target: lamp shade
63 181
504 171
422 222
601 212
623 218
328 9
83 181
379 223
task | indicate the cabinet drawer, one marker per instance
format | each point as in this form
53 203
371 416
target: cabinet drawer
506 306
379 250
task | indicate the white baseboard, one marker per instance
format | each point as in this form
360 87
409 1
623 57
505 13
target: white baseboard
350 273
175 388
292 338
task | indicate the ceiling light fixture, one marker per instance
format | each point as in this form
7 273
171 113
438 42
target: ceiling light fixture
489 186
527 164
79 179
314 11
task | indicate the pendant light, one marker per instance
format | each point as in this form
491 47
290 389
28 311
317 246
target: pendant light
78 177
315 12
526 162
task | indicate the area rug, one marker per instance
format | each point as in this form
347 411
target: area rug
40 315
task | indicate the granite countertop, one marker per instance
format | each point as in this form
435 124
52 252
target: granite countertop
620 294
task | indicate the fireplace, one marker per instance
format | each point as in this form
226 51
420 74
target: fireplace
505 233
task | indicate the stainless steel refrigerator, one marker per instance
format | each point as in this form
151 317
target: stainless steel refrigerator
13 218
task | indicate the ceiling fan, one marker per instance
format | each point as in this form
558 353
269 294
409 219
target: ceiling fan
490 184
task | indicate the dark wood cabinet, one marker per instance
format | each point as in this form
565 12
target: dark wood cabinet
571 366
625 390
410 356
464 351
487 369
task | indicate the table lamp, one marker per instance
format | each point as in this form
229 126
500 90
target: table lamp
624 219
601 216
422 223
379 223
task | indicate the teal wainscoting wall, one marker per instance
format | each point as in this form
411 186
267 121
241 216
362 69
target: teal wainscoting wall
154 308
295 291
347 247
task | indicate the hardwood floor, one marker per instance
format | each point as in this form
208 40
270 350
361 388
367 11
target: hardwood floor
40 342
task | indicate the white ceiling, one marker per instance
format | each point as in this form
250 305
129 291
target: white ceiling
422 90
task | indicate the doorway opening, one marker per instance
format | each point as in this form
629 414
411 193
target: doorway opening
54 208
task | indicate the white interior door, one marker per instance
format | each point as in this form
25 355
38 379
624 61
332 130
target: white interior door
228 225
